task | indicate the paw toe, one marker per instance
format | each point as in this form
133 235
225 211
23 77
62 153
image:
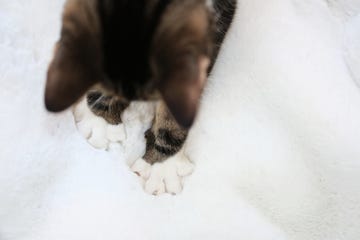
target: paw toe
80 111
185 168
98 137
116 133
85 129
155 185
173 184
141 168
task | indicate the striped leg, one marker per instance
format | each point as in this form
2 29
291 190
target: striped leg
164 166
165 138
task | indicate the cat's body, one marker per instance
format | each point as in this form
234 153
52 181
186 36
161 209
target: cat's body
120 51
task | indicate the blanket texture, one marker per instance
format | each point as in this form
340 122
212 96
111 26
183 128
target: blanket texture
276 143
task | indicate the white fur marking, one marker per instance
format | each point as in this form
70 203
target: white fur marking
95 129
164 177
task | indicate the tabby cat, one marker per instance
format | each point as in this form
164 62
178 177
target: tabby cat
117 51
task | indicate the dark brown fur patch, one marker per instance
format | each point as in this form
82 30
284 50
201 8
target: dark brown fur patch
165 138
77 64
110 107
183 39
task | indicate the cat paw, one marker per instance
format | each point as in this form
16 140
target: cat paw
165 177
96 130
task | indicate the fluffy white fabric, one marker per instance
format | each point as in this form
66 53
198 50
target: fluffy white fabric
276 143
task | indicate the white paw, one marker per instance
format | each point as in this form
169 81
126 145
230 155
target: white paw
164 177
95 129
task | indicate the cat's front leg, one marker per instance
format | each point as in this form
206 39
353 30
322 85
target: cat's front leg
164 164
98 118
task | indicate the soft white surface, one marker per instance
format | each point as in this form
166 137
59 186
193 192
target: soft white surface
276 144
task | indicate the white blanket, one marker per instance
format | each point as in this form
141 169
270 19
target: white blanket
276 143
